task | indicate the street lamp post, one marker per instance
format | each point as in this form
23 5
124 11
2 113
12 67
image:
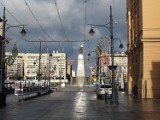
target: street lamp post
39 70
2 56
114 99
39 60
97 62
49 70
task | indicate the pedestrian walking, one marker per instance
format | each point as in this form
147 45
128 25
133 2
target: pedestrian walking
135 91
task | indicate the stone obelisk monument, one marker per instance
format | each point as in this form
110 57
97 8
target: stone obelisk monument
80 68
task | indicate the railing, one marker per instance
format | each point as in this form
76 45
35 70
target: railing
31 87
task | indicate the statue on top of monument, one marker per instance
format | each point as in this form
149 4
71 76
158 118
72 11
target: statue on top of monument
81 49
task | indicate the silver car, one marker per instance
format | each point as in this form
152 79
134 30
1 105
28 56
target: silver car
102 89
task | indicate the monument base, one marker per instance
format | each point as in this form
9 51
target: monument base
80 81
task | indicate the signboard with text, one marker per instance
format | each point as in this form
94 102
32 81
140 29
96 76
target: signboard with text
18 88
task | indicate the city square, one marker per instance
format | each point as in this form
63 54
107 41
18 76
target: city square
84 59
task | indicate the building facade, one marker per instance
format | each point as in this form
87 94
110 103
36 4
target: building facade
28 65
144 47
121 61
104 73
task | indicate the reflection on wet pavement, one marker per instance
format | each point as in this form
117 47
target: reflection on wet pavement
75 104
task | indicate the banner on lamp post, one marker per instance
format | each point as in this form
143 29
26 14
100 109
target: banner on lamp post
1 28
104 59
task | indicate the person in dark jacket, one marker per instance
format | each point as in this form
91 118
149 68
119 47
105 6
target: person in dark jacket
135 91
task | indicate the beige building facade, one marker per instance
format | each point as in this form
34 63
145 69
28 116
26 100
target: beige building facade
121 61
144 47
26 66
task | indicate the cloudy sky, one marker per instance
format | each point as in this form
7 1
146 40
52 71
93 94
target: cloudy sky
63 20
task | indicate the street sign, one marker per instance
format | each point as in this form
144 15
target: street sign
94 79
9 61
104 59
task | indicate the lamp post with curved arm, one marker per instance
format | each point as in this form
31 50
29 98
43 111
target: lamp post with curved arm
97 62
114 98
2 56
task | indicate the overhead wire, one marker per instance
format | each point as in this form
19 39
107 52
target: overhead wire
41 27
34 46
62 25
45 32
16 21
85 28
11 16
55 3
38 24
10 13
38 39
37 20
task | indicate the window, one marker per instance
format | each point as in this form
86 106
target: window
31 57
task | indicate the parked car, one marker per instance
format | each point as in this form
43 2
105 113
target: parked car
102 89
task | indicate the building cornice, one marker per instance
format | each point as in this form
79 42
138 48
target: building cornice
150 39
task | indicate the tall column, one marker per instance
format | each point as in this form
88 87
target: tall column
80 68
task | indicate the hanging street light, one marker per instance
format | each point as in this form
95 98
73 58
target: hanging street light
91 32
23 32
2 55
